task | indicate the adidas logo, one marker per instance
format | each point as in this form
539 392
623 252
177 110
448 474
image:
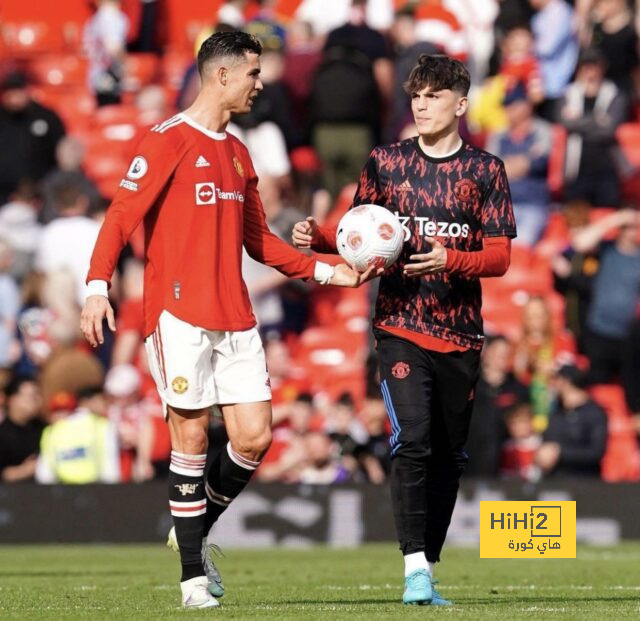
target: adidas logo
405 186
201 162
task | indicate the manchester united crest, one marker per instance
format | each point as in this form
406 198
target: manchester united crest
400 370
465 190
180 385
237 164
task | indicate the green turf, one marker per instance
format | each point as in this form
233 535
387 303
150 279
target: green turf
140 582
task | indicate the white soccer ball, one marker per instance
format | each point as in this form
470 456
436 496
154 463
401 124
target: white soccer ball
369 235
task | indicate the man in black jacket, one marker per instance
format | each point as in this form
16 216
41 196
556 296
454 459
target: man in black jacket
575 440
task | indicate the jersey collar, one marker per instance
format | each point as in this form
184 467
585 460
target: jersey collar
207 132
439 160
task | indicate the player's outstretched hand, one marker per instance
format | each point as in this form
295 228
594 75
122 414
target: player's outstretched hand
304 233
432 262
344 276
96 308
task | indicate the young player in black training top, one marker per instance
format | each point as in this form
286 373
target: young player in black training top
454 204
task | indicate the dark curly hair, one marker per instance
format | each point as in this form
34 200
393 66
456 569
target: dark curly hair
439 72
220 44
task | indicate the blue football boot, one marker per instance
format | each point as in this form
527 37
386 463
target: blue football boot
417 588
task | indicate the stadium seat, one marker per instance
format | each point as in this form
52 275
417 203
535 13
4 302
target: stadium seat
140 70
628 135
621 461
115 114
75 105
29 38
60 70
174 65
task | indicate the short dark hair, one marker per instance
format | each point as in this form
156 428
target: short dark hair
220 44
15 384
439 72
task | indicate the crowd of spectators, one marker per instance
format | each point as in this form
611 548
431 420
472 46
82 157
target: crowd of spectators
552 83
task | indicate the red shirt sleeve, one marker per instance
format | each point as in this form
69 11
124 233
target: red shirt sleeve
492 260
266 247
367 192
156 157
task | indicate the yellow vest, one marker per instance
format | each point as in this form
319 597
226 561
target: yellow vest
74 447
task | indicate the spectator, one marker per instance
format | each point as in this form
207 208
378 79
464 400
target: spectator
613 331
354 77
496 391
9 308
347 432
105 40
232 13
19 227
67 242
538 352
129 337
50 342
302 57
477 20
616 38
591 110
524 147
80 447
438 25
286 454
556 46
575 441
321 464
70 157
407 48
574 271
132 418
32 131
374 454
20 431
517 459
378 13
517 64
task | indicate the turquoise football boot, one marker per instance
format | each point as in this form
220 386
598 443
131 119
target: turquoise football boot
436 598
417 588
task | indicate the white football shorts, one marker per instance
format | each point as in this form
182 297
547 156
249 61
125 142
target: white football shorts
194 368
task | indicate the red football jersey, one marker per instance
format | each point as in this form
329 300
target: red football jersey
196 191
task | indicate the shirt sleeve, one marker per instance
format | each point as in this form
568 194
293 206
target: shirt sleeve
492 260
150 169
367 192
264 246
497 210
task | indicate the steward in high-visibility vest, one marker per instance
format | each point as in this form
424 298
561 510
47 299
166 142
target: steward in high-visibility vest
81 448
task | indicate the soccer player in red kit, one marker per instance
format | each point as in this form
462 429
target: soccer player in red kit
454 204
196 190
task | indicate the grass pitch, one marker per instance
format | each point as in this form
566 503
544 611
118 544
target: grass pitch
141 582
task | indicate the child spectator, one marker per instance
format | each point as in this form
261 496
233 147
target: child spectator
517 459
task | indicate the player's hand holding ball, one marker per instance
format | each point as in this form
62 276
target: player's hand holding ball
433 262
345 276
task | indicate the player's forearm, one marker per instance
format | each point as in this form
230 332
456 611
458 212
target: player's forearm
113 236
325 240
493 260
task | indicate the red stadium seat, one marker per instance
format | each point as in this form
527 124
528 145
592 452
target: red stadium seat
628 135
174 66
26 39
140 70
116 114
621 461
75 105
60 70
